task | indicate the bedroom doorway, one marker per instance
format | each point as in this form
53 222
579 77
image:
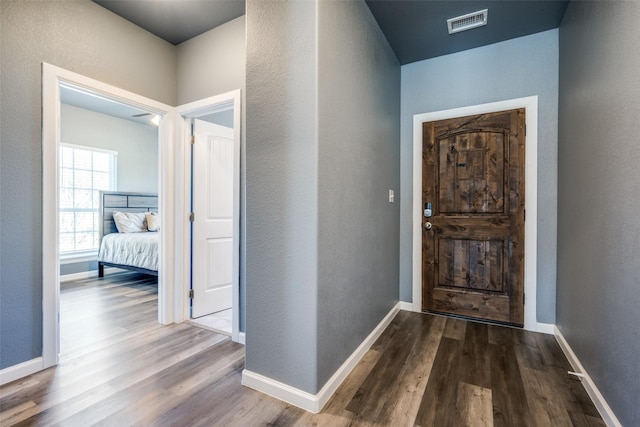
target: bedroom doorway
93 166
105 147
174 268
108 169
212 159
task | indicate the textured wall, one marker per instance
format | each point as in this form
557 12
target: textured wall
358 162
82 37
512 69
599 184
322 152
281 177
210 64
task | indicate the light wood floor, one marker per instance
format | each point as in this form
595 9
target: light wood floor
119 368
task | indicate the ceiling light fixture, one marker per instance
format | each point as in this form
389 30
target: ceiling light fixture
468 21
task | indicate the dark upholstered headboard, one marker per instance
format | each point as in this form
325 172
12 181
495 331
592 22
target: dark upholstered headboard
111 201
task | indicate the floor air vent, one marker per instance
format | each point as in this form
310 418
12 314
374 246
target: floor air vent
468 21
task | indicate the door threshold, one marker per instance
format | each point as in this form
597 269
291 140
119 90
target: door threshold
474 319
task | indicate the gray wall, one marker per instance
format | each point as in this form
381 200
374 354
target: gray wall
211 64
322 152
512 69
599 184
82 37
281 172
358 162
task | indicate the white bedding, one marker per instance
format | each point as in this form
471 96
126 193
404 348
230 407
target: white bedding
135 249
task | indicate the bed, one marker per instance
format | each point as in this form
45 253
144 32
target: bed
135 251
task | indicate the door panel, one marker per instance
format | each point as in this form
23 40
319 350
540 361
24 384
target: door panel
471 173
474 264
213 227
473 254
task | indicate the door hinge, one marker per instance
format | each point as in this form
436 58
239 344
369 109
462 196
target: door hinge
192 217
192 139
524 215
525 130
191 293
523 298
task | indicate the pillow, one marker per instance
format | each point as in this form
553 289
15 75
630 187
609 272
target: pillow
130 222
153 221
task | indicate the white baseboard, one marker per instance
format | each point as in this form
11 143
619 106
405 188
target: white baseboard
546 328
603 407
87 274
79 276
21 370
405 306
315 402
242 338
296 397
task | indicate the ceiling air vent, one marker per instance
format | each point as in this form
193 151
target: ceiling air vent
468 21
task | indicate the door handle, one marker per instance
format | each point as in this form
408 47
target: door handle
427 225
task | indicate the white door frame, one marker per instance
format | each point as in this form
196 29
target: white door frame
185 112
52 76
530 104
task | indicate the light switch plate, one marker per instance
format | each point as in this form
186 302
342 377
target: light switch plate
392 196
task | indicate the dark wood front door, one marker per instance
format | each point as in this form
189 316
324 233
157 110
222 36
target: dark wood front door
473 242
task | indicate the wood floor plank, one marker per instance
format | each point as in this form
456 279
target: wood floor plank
475 365
455 328
402 402
366 404
19 413
119 367
439 400
583 420
510 406
334 413
543 410
474 405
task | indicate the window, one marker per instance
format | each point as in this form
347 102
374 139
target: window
84 172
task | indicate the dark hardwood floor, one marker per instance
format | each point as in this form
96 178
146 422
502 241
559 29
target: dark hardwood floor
119 367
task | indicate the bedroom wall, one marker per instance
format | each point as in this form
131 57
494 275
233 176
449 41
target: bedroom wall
515 68
137 147
136 144
599 183
83 37
323 103
211 64
358 162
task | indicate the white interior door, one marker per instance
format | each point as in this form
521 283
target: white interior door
214 170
